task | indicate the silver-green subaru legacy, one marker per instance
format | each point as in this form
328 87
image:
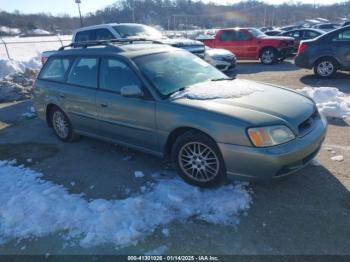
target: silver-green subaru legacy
170 103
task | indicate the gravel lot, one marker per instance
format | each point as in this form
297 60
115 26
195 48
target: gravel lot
306 213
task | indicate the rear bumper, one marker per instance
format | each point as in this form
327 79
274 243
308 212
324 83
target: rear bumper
251 163
303 61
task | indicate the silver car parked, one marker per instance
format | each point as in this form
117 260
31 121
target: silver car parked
168 102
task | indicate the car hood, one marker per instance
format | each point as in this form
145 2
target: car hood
262 105
214 52
181 42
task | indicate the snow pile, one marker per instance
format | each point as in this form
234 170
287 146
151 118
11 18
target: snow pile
330 101
8 67
17 78
31 207
218 90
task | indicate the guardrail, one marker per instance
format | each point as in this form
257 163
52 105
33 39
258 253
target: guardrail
6 44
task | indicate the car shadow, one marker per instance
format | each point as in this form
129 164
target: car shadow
336 81
337 121
251 67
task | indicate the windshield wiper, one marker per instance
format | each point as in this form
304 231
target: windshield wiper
177 90
221 79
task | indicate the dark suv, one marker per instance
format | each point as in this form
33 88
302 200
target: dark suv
326 54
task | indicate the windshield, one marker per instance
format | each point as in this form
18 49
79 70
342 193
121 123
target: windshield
172 71
126 31
256 32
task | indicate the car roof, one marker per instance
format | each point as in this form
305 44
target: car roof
304 29
103 26
127 50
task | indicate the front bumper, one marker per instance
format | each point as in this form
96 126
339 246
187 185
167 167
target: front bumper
286 52
251 163
223 64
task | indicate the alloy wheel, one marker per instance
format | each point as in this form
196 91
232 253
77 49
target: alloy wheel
198 161
267 56
325 68
60 124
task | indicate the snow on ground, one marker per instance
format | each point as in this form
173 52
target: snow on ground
24 48
338 158
31 207
158 251
234 88
330 101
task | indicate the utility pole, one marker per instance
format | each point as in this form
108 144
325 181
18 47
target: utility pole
133 11
78 2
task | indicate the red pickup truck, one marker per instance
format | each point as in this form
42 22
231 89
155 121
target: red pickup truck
252 44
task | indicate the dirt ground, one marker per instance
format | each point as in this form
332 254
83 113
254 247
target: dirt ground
306 213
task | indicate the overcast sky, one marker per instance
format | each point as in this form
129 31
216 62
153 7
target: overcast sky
69 6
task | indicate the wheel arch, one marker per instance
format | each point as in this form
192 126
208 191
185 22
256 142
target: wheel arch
327 56
49 108
175 133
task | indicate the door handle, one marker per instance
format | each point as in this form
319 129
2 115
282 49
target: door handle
62 96
103 105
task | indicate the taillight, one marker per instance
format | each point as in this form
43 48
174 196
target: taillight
302 48
34 83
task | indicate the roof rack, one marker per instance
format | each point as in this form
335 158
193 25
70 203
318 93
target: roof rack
108 43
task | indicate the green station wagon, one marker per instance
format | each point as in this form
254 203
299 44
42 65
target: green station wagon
168 102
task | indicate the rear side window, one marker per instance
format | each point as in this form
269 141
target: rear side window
103 34
227 36
115 74
55 69
84 36
310 34
84 72
294 34
92 35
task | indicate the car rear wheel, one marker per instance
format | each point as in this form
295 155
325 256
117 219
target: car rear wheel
325 67
198 160
61 125
268 56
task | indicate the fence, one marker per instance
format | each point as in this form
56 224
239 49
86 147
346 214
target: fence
21 48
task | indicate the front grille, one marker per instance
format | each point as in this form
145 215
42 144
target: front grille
306 126
227 59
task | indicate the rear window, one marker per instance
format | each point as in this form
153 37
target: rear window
55 69
84 72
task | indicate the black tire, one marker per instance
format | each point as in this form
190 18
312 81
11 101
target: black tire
70 134
325 67
199 179
268 56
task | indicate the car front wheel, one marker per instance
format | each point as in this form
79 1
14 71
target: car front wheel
325 67
198 160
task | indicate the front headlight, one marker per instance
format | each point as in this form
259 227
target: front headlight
270 135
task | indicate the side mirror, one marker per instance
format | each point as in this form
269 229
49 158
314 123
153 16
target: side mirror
131 91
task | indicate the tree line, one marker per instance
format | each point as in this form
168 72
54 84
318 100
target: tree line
181 14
